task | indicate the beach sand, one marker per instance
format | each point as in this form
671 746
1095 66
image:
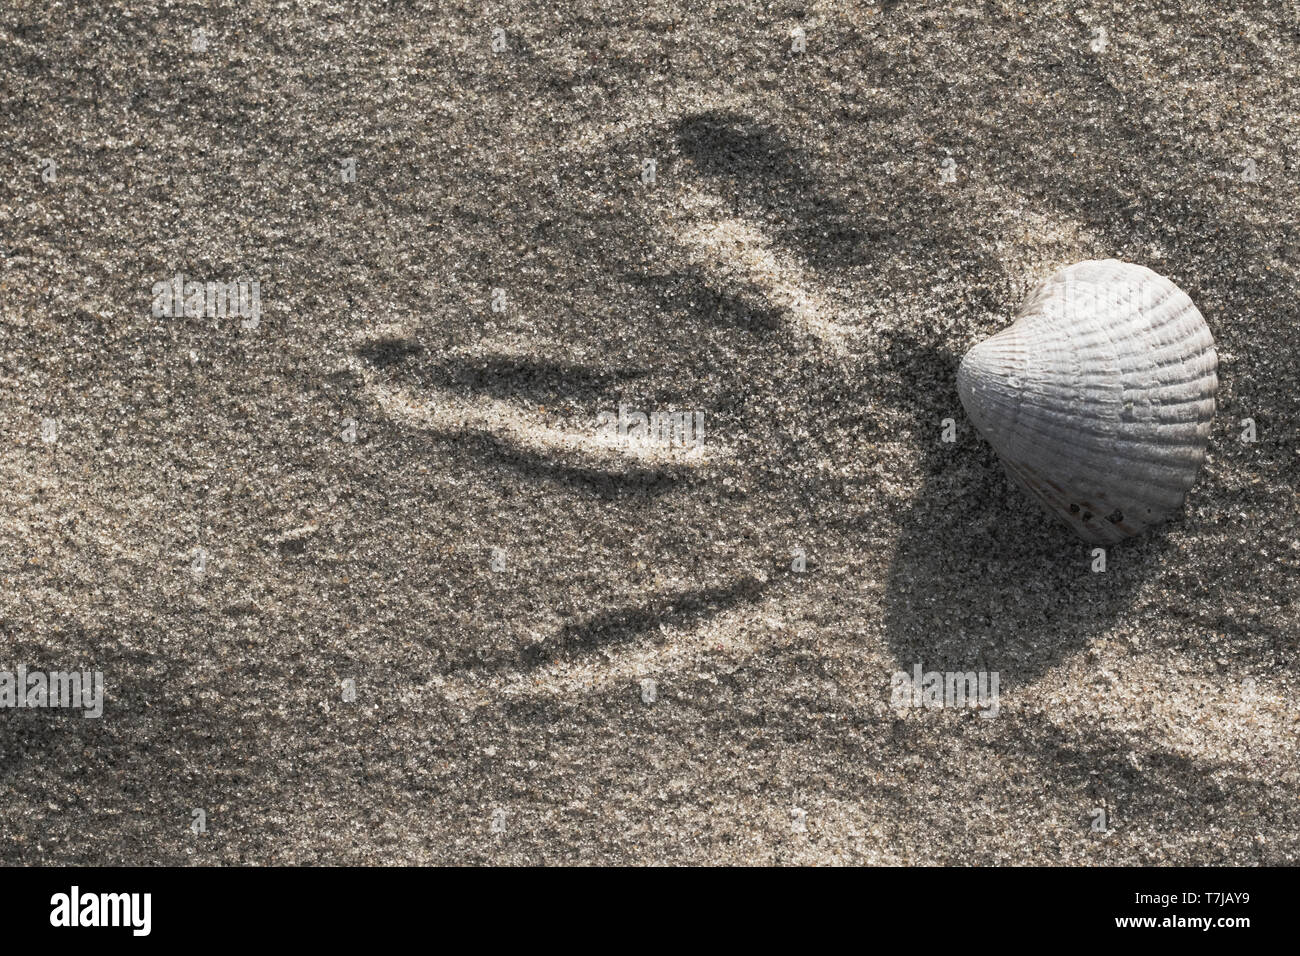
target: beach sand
368 584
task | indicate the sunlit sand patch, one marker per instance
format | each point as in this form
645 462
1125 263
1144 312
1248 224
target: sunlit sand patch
527 429
1162 708
58 529
739 250
732 634
1029 235
597 444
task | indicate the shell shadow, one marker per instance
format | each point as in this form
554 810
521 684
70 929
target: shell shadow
981 578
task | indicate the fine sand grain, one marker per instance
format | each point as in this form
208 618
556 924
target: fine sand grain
395 481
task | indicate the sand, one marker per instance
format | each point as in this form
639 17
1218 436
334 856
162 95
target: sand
367 583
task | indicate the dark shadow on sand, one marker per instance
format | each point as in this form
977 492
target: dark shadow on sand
982 578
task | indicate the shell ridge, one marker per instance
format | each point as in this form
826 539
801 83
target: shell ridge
1100 393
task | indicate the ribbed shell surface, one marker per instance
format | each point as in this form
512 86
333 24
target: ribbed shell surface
1098 399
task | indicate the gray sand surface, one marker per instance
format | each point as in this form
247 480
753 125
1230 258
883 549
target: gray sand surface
494 578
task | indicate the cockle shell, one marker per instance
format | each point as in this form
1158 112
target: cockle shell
1098 399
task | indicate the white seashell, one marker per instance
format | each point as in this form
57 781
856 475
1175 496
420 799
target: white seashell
1099 397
